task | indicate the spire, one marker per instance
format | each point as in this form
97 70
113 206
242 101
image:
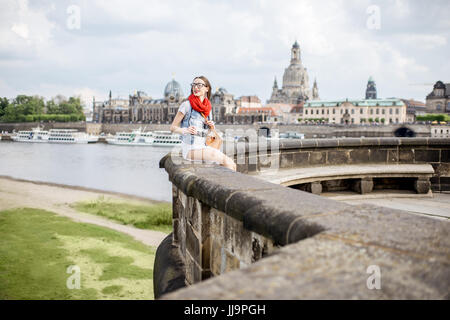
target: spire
275 84
315 91
295 53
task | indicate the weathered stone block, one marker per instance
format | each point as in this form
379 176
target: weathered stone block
363 186
377 155
338 157
286 160
359 155
317 157
301 159
231 262
315 187
193 243
217 223
393 156
426 155
194 214
193 271
422 185
444 183
216 257
176 231
445 155
406 155
206 253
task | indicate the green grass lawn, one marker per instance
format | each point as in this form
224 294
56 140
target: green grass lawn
155 217
37 247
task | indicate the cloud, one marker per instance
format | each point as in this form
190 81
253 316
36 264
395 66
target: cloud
123 46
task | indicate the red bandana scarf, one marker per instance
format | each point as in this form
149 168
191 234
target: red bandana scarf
202 107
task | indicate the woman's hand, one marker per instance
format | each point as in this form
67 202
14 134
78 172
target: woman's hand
190 130
210 124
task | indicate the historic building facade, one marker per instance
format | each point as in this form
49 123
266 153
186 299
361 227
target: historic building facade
295 87
438 100
364 111
140 108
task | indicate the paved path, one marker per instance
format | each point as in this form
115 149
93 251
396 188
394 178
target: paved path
433 205
56 198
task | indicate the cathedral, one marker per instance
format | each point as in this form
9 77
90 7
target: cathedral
295 88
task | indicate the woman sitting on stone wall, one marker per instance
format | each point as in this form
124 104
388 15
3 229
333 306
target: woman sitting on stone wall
193 126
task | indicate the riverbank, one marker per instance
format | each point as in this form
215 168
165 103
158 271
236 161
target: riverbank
58 198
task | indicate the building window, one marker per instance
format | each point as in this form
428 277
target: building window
334 111
397 111
378 111
361 111
382 111
371 111
306 111
390 111
438 107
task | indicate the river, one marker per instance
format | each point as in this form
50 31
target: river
131 170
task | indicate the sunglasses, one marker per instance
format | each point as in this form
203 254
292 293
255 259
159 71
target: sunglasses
198 85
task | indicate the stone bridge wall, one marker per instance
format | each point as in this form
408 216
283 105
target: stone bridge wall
259 240
323 152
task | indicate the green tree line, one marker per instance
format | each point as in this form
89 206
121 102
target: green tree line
33 108
433 117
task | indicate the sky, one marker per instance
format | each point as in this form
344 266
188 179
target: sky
88 48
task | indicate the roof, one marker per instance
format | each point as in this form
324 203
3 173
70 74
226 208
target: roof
356 102
296 109
272 111
413 103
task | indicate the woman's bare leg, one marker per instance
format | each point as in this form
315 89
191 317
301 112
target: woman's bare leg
208 154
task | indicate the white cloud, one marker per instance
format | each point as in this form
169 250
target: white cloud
21 30
424 41
131 45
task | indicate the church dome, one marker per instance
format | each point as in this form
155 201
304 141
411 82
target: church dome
222 90
173 91
439 85
296 45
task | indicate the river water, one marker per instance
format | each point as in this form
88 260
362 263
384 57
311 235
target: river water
131 170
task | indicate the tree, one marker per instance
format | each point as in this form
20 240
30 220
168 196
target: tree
4 103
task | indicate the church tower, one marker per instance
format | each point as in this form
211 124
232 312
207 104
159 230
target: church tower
295 53
315 91
371 91
295 86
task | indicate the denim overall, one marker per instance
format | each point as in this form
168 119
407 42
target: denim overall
194 118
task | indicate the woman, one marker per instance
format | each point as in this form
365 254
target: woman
193 126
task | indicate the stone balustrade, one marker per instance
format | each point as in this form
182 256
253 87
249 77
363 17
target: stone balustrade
253 239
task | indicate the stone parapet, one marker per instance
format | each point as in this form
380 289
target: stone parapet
266 241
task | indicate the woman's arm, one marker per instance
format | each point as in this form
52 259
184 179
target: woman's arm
175 127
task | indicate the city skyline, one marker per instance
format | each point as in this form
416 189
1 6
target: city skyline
90 48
